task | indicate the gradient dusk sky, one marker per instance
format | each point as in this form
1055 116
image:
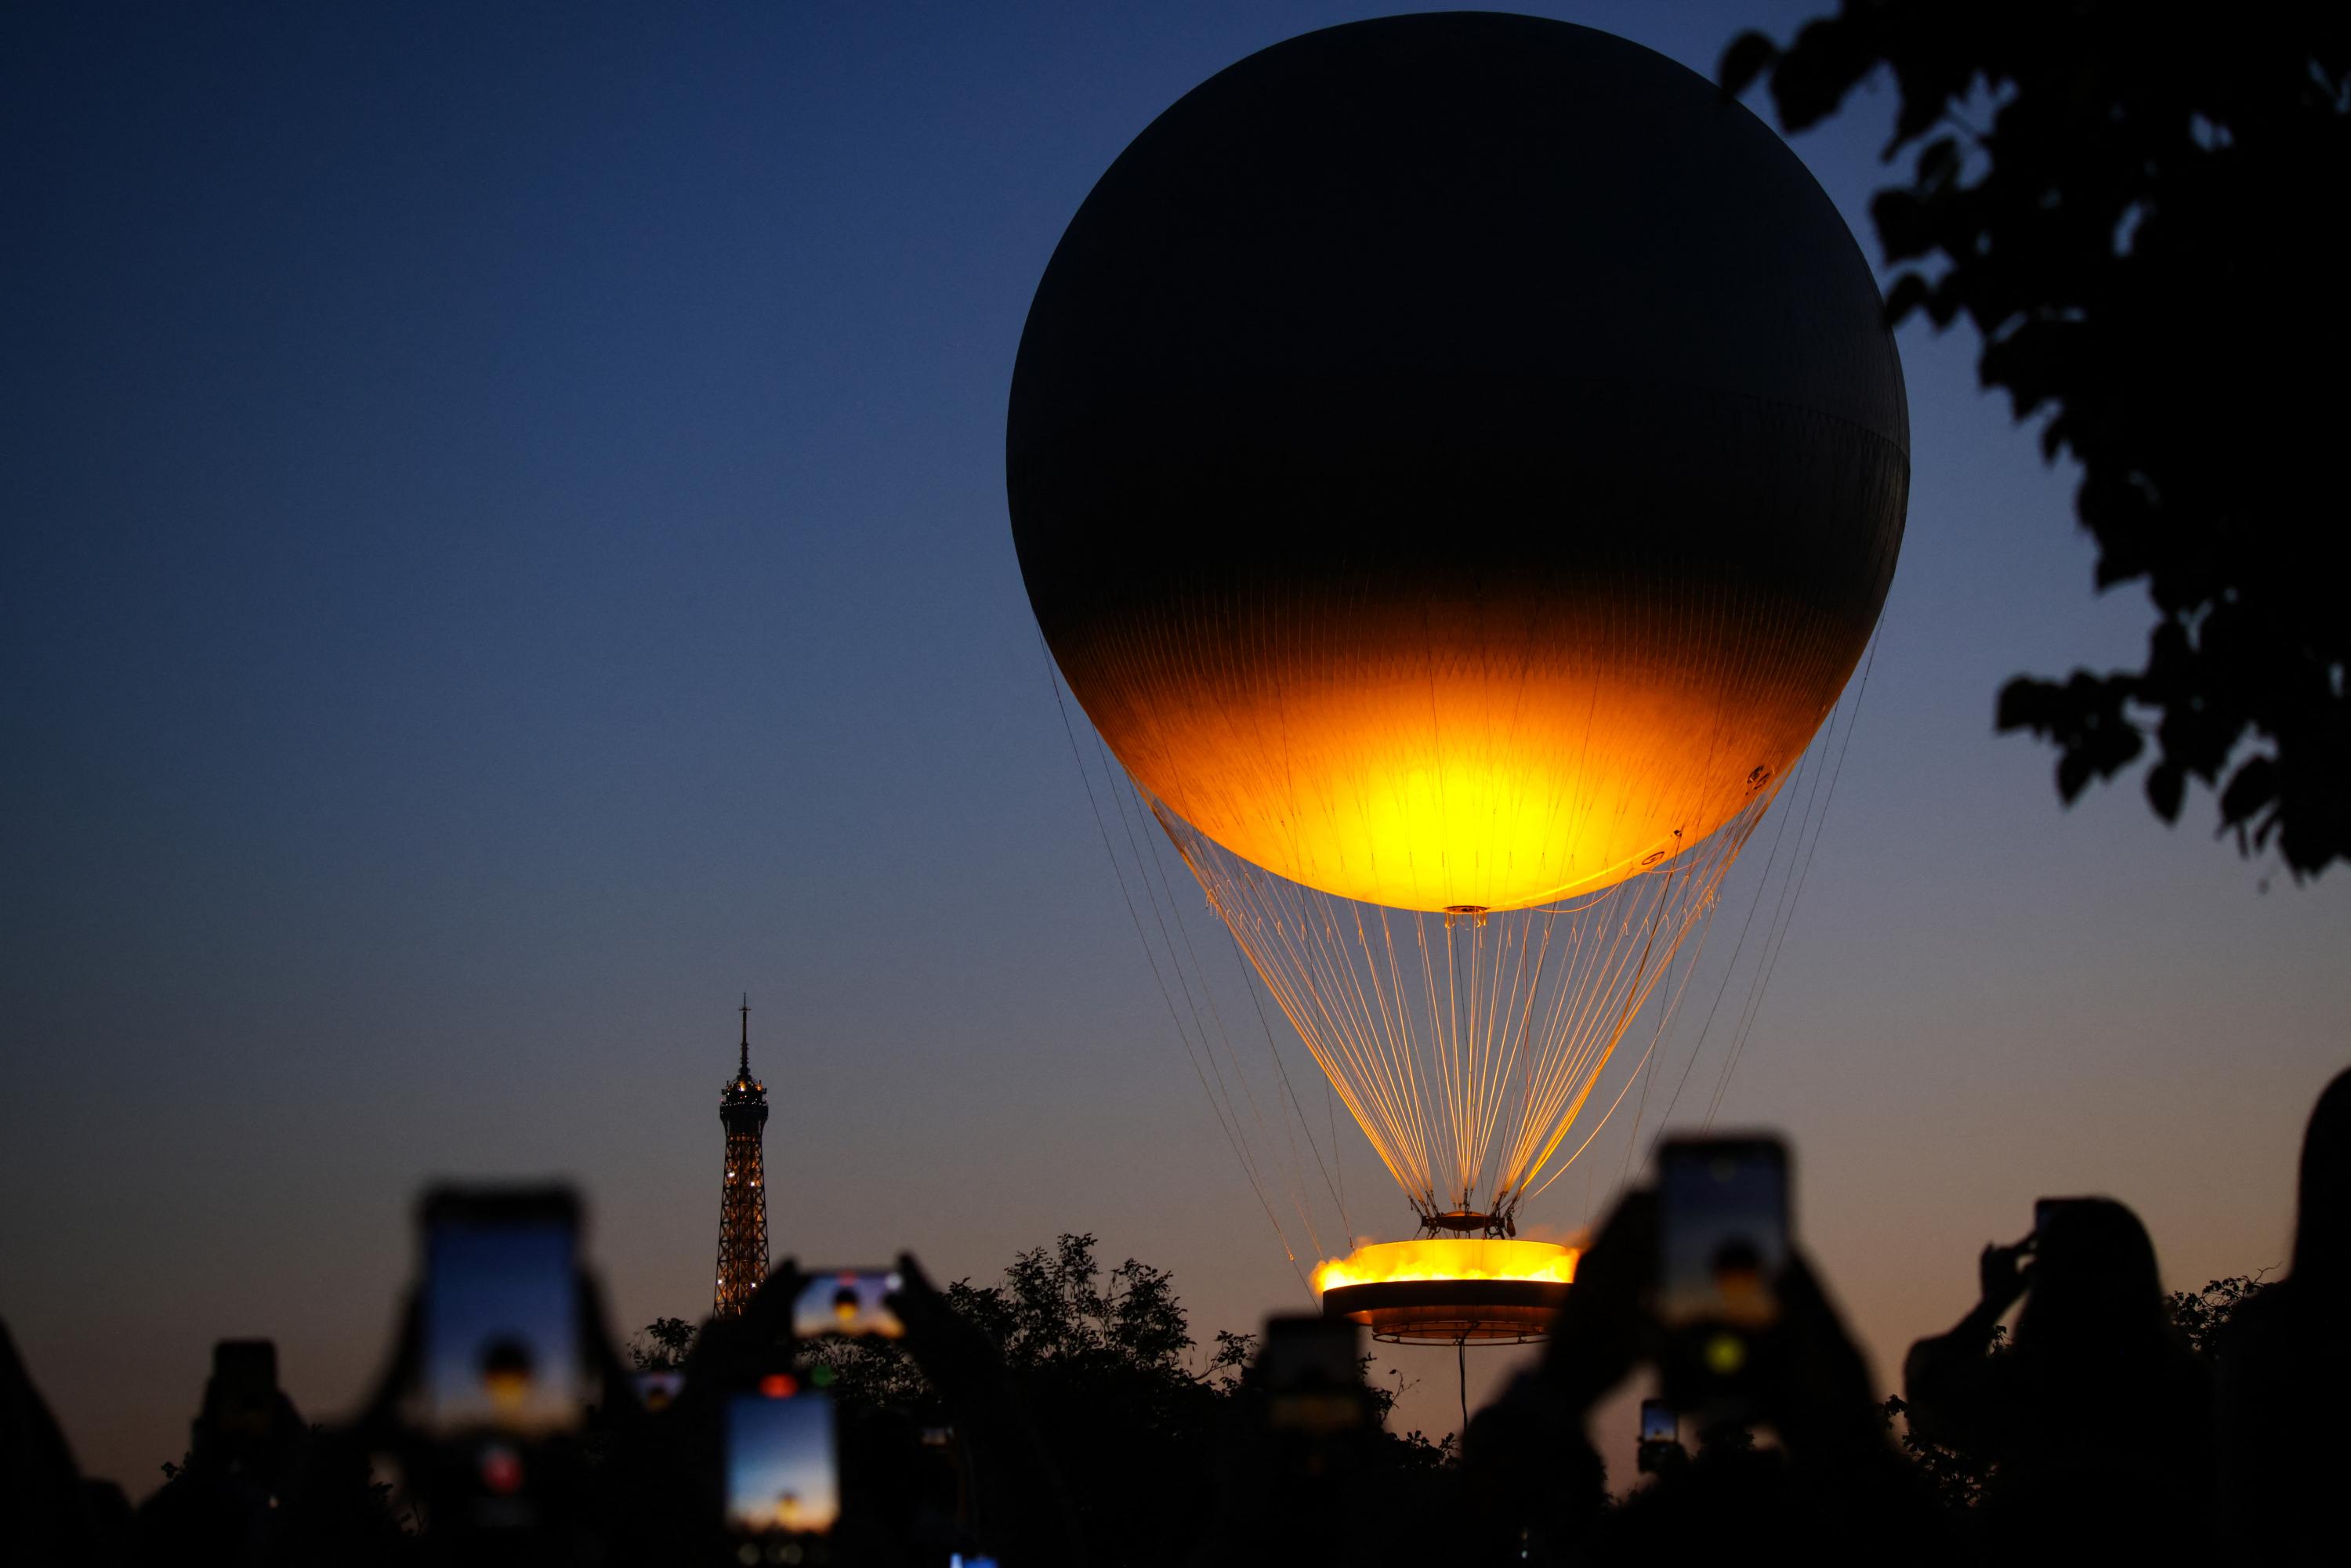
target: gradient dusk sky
505 548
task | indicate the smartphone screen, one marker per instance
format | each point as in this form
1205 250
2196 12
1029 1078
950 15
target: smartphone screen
781 1468
244 1387
1658 1422
1722 1205
501 1337
659 1390
848 1301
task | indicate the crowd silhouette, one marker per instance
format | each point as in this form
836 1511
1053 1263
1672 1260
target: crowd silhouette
1053 1420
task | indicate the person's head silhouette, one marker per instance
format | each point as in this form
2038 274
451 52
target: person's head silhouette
2322 1230
2094 1275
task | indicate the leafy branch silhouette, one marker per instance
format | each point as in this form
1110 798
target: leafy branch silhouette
2141 234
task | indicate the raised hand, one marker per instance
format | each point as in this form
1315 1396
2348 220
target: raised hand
2001 1277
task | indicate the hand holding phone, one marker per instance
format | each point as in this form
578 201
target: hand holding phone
2001 1274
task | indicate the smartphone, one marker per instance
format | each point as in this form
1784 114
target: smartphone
244 1388
1311 1368
1306 1352
1660 1448
850 1302
501 1341
1723 1240
783 1474
1722 1210
2045 1209
658 1390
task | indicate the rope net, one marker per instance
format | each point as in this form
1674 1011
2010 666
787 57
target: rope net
1466 1043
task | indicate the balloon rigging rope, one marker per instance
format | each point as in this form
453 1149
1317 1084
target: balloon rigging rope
1151 865
1779 832
1517 1036
1717 854
1331 1184
1810 825
1392 1135
1853 720
1118 870
1774 936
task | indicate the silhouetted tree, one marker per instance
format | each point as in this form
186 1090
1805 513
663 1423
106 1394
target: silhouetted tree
319 1504
661 1344
1099 1356
1958 1475
2143 232
2202 1317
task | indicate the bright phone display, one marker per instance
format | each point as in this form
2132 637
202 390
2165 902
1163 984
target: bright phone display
659 1390
1658 1422
1722 1213
782 1473
501 1333
848 1301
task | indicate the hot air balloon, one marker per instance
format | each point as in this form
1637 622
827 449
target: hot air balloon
1457 462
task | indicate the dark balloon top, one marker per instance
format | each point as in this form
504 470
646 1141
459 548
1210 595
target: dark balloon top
1456 460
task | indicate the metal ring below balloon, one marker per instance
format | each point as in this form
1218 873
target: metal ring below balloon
1450 1311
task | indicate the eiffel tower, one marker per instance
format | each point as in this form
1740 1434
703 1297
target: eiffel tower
743 1200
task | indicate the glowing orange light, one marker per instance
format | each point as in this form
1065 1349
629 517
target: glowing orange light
1448 1258
777 1386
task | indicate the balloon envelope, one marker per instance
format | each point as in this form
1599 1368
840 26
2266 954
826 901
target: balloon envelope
1456 460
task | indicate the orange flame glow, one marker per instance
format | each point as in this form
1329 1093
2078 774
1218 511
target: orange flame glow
1448 1258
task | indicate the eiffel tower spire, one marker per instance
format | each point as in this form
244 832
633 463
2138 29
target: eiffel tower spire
742 1195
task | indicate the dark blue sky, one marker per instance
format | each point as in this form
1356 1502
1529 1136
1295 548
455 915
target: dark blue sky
505 548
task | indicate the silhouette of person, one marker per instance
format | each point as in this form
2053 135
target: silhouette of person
2099 1420
48 1514
247 1453
2285 1365
1835 1488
